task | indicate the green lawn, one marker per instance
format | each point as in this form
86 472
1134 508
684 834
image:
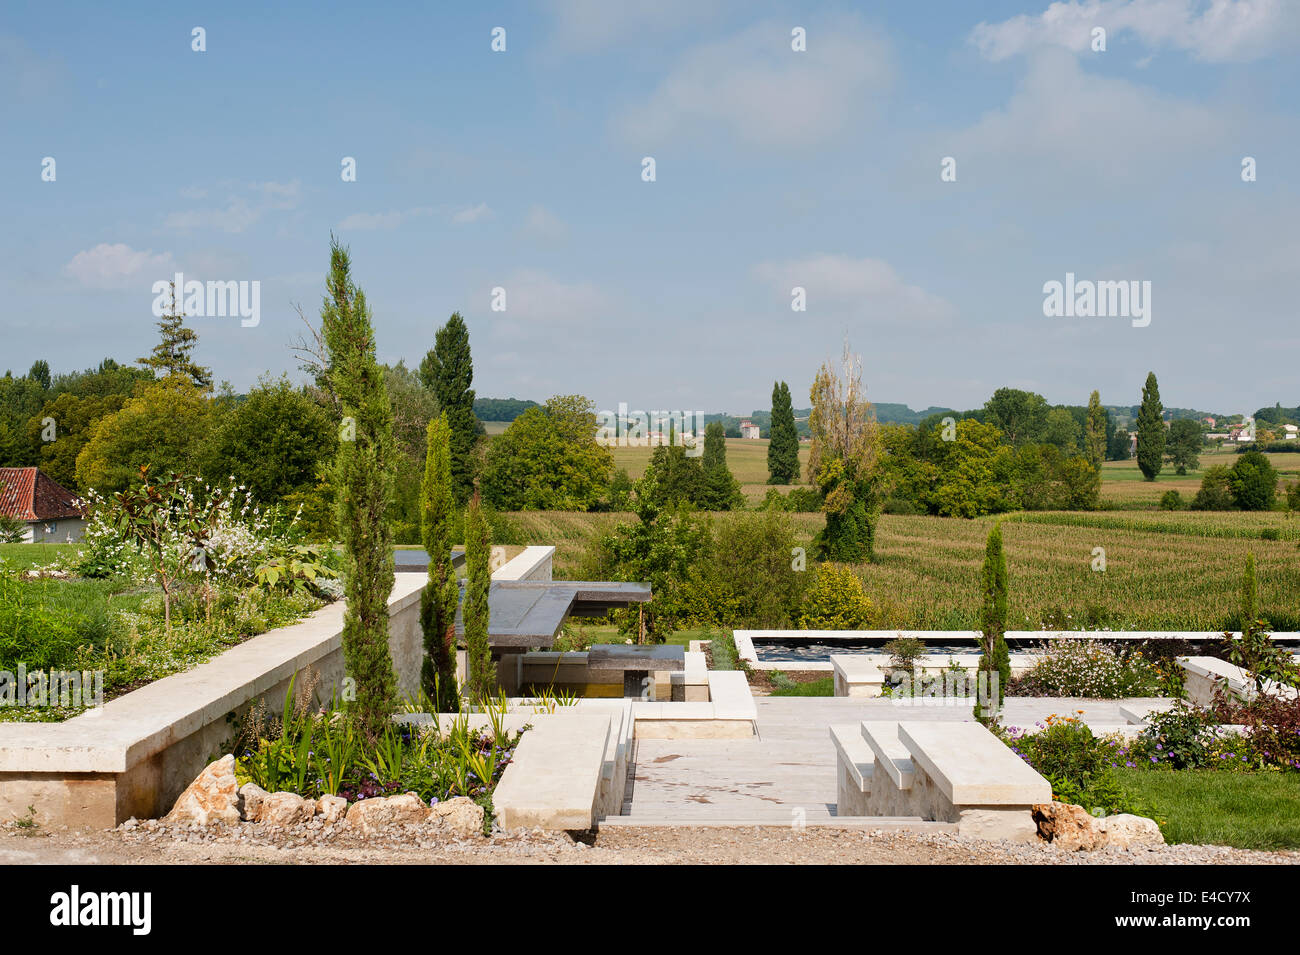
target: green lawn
822 686
1213 807
24 556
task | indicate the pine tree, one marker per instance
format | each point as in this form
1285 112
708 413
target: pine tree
1151 430
363 475
995 658
482 673
442 592
171 356
719 489
1095 431
448 371
783 438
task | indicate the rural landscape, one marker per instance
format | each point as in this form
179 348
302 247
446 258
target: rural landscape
771 452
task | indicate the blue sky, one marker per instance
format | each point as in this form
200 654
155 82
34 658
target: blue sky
522 170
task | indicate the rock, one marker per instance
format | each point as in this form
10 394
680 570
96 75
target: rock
371 815
1067 826
331 809
286 809
462 816
1125 830
251 797
213 797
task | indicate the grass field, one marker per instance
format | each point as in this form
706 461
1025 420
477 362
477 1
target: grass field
1213 807
746 457
1123 488
1163 571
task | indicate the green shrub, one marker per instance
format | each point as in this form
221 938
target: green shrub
1089 668
1181 738
835 601
1079 766
1171 501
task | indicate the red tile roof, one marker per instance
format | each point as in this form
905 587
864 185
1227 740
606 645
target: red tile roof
29 495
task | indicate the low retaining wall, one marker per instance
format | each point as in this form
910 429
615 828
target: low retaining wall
1203 677
137 753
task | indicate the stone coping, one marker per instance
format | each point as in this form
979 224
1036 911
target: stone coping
971 766
1240 682
554 779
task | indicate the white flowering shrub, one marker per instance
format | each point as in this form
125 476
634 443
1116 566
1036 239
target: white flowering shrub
1088 668
236 538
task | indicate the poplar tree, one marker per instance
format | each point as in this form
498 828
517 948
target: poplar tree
442 592
1095 431
363 476
783 439
481 671
448 371
1151 430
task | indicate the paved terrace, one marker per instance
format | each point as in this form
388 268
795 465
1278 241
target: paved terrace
791 764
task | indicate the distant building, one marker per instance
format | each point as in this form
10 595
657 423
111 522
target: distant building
749 430
1289 432
49 510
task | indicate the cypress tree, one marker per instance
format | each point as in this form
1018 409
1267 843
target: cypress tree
482 672
171 356
442 592
364 479
995 657
448 371
783 439
1151 430
1095 431
719 489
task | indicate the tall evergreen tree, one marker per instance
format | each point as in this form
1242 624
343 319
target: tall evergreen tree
172 354
783 439
40 373
481 671
1151 430
1094 434
448 371
994 656
719 489
364 479
442 592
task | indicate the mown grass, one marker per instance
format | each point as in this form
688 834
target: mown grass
1163 571
822 686
1213 807
26 556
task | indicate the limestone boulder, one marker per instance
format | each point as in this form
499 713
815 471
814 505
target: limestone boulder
1125 831
460 816
369 816
285 810
251 798
1067 826
331 809
212 799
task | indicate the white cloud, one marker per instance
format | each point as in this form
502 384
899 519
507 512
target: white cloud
366 221
536 301
246 205
541 223
755 87
1220 31
471 214
1064 125
118 266
868 288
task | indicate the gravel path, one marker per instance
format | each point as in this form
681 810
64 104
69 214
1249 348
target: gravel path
249 844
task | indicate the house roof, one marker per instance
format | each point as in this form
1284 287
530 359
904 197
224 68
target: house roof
29 495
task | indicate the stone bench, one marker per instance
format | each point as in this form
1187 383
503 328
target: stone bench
555 777
947 772
856 675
